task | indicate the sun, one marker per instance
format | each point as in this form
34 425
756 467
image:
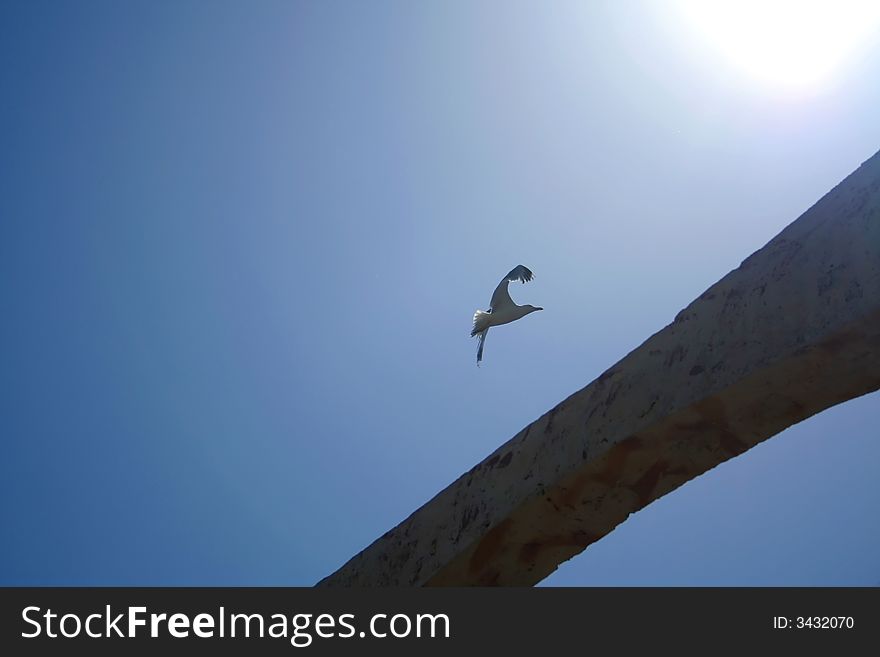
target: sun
786 43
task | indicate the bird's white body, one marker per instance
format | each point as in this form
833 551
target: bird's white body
506 315
502 309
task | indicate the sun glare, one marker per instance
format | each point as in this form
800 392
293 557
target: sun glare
787 43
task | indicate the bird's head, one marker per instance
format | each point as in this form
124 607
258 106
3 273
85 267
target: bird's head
534 308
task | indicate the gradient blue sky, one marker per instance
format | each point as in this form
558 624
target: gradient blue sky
241 244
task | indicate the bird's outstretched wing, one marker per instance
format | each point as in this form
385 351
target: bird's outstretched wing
501 297
483 335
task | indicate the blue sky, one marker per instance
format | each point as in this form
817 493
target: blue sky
241 245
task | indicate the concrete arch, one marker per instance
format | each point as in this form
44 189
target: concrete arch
793 330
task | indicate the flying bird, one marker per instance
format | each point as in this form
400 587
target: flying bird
502 309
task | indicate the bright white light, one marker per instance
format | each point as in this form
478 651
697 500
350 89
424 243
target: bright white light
792 43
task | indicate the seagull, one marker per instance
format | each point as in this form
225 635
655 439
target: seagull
502 309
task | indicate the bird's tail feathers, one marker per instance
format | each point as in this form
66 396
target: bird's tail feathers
481 322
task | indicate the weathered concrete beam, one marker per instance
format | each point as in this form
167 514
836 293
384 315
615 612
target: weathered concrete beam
793 330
